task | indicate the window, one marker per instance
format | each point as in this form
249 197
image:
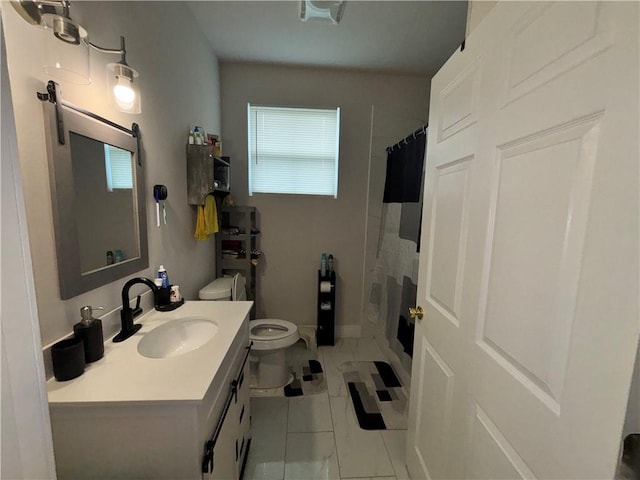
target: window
117 163
293 150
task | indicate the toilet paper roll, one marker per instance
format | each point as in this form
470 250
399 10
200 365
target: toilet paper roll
325 287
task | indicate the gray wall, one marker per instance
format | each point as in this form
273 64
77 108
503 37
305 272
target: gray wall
162 44
296 229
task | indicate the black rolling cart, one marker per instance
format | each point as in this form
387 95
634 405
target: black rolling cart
325 333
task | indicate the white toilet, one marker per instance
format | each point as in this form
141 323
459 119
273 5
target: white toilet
270 337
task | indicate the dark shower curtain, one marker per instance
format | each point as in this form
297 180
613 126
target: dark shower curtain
396 277
404 171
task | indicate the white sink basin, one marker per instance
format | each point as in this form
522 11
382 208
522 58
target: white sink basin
177 337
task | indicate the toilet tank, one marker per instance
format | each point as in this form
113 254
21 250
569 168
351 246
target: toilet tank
219 289
224 288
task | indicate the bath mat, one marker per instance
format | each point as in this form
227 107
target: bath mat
378 399
307 379
308 375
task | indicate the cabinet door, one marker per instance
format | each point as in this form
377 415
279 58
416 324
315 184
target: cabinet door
224 453
233 441
200 168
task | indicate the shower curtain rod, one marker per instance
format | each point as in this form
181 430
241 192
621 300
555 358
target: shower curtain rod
404 141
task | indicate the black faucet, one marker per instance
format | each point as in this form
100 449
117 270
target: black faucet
126 315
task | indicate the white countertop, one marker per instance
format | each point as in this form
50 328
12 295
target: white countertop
125 376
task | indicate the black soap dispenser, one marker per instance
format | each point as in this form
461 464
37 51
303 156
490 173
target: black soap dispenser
90 330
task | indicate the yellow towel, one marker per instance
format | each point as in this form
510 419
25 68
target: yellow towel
210 215
207 220
200 233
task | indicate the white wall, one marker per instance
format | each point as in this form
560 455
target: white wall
632 419
27 448
180 87
296 229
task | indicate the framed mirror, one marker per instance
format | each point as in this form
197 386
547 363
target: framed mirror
97 188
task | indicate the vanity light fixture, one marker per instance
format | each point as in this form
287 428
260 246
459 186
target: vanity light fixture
324 11
69 61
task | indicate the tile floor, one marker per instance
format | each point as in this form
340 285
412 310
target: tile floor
317 436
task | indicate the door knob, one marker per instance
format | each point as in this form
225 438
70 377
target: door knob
416 312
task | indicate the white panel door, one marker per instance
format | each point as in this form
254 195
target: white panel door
529 257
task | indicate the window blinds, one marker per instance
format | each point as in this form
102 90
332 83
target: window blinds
293 150
118 166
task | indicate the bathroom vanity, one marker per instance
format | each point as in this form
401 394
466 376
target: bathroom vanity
173 413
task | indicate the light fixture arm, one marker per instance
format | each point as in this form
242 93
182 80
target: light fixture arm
66 6
57 3
122 51
32 10
54 15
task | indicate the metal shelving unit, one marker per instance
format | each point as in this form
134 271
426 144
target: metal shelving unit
227 263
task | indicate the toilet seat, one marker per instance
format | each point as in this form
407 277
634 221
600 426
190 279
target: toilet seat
272 334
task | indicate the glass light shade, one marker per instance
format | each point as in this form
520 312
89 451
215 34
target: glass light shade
66 52
330 11
123 88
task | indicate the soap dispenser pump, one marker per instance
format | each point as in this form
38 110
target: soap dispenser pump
90 330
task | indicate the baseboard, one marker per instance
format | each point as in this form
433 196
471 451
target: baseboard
342 331
348 331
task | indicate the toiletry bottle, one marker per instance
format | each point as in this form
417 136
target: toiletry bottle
191 140
162 273
109 257
330 264
175 293
163 298
90 330
323 265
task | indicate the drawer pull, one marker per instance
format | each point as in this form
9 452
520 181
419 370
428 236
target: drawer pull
207 461
240 378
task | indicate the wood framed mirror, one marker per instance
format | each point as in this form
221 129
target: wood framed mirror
97 189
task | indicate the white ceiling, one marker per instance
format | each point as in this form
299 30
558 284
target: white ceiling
392 36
